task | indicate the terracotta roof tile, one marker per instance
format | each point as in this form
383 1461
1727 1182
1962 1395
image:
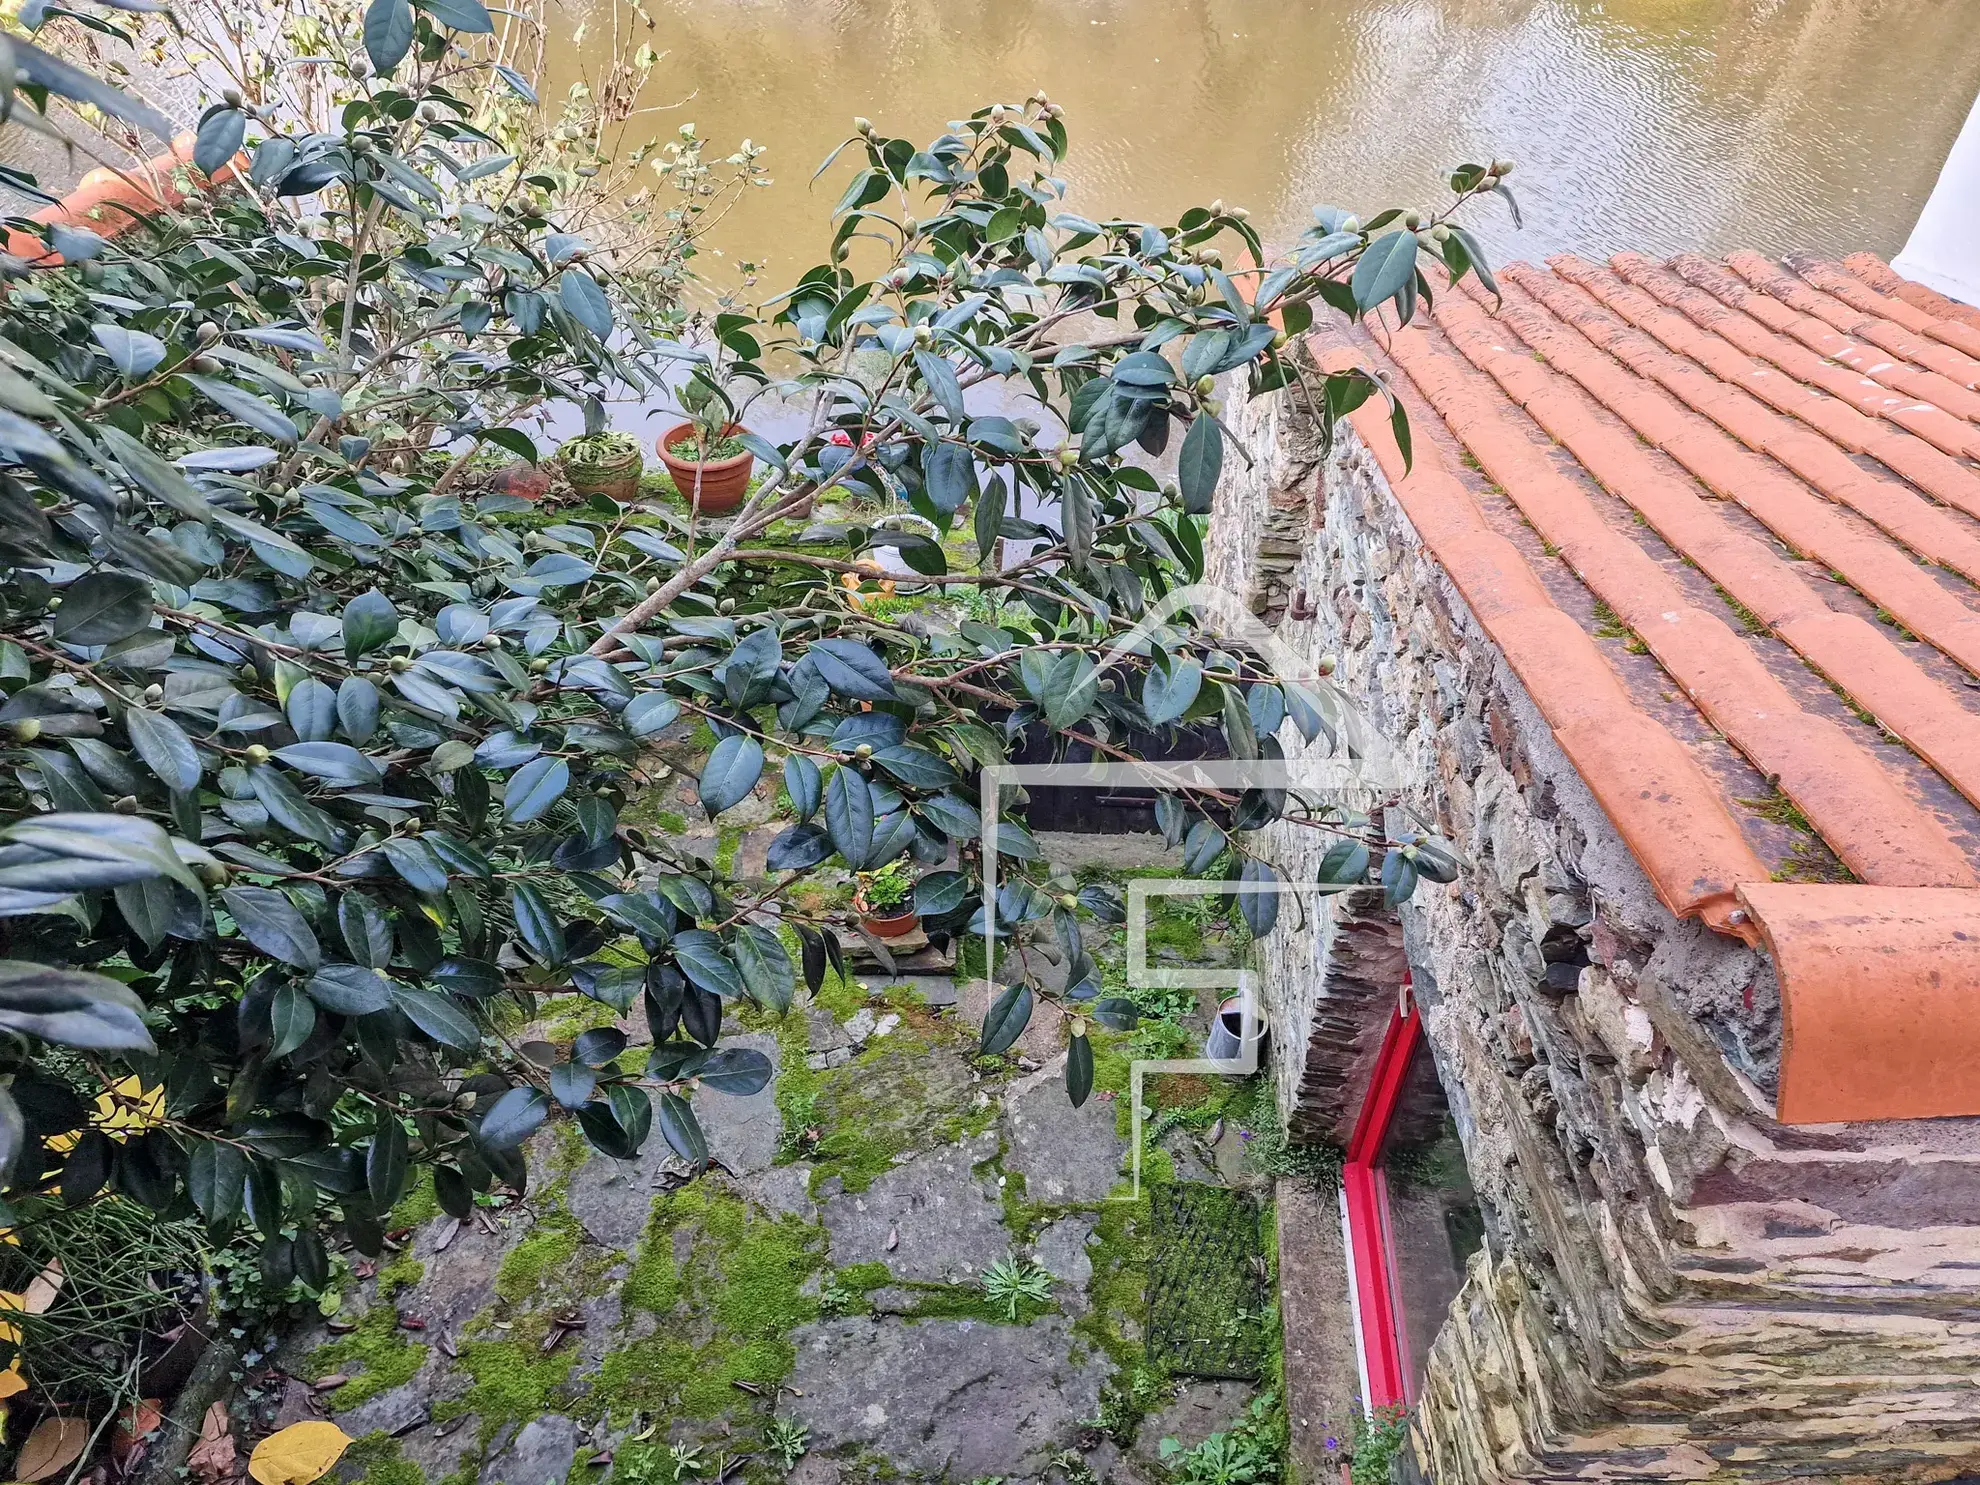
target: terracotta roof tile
1746 467
1957 324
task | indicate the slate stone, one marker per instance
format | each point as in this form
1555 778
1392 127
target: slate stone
1061 1250
944 1399
946 1221
1066 1154
743 1132
823 1032
540 1454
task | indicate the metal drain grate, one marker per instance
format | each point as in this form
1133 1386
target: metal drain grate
1206 1282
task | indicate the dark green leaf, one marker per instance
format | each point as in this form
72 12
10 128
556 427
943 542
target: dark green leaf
852 669
1079 1069
370 620
350 989
682 1130
734 765
388 33
802 784
765 965
292 1018
513 1118
219 139
164 747
1006 1020
102 608
1200 464
385 1162
270 922
538 925
849 816
534 787
439 1017
1387 266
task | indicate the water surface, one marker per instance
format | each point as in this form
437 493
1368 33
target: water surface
1659 125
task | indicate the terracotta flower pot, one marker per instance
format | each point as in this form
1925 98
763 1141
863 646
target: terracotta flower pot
900 925
720 483
618 480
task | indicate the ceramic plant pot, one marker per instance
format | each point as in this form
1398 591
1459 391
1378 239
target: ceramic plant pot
720 484
617 479
894 922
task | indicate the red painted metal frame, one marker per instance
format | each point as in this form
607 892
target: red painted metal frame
1367 1198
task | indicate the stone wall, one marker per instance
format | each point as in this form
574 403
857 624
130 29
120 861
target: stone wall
1673 1286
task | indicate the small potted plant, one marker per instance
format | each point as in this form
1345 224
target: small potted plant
710 467
884 901
705 455
603 464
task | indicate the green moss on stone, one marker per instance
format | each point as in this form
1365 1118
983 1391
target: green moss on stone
418 1206
377 1356
549 1250
726 1305
514 1379
376 1459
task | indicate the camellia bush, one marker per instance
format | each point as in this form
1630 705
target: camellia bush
318 751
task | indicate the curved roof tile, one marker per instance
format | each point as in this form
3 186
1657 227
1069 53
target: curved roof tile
1763 477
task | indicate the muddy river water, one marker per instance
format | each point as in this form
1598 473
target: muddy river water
1659 125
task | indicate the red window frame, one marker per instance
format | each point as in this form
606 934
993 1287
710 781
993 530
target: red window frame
1365 1200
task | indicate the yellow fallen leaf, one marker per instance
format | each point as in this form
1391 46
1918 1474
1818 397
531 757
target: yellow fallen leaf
43 1288
298 1454
11 1381
55 1444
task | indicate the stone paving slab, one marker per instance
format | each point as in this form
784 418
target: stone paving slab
933 1219
1066 1154
941 1399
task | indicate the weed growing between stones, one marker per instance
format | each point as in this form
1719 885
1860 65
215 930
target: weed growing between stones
1251 1452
